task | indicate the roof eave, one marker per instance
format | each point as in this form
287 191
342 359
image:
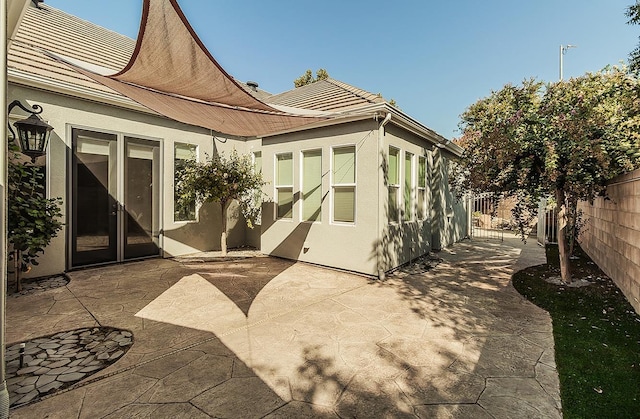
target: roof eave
338 119
398 118
405 121
47 84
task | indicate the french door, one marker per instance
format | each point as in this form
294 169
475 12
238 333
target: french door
115 201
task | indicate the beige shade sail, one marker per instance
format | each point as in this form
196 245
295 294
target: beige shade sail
172 73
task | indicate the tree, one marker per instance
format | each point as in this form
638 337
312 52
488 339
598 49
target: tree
391 101
307 77
566 139
633 13
223 180
32 219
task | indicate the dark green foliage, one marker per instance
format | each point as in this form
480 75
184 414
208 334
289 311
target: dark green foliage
33 220
597 338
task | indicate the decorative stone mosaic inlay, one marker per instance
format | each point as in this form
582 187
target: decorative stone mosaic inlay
32 286
54 362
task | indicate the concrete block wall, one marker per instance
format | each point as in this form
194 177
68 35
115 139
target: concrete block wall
611 236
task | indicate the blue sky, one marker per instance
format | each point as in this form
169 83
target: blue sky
433 57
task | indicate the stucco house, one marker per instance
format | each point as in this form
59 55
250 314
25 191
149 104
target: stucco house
360 186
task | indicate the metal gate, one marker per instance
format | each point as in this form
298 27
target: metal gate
547 223
485 222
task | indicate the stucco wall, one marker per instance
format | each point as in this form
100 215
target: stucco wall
611 236
65 113
449 215
342 245
374 243
370 245
403 241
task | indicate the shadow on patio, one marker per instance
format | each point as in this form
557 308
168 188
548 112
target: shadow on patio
306 341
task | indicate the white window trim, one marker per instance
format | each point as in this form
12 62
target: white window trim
197 209
412 198
354 185
253 157
396 186
301 174
276 186
421 216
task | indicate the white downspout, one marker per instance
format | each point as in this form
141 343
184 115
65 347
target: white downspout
384 122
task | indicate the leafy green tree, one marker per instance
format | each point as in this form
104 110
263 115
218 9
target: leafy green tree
633 13
307 77
223 180
566 139
32 219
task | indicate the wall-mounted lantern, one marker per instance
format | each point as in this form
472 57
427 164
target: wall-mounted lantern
33 132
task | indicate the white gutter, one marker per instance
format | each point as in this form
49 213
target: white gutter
385 121
400 118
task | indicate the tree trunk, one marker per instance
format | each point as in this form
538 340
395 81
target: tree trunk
565 271
223 238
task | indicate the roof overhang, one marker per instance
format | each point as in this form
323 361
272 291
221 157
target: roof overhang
378 111
23 78
15 12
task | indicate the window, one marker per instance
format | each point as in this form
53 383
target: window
284 185
394 184
422 188
183 154
312 185
344 184
257 161
407 214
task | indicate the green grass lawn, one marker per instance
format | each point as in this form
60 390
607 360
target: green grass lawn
597 338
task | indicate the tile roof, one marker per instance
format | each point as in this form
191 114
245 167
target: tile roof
325 95
258 93
68 36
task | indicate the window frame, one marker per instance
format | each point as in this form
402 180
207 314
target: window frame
277 187
302 185
335 185
421 210
408 216
254 159
394 186
196 207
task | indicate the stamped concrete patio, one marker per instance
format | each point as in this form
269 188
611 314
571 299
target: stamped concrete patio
264 337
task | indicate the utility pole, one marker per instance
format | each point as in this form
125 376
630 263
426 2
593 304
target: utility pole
563 50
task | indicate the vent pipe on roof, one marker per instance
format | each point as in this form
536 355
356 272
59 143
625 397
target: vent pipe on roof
253 85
